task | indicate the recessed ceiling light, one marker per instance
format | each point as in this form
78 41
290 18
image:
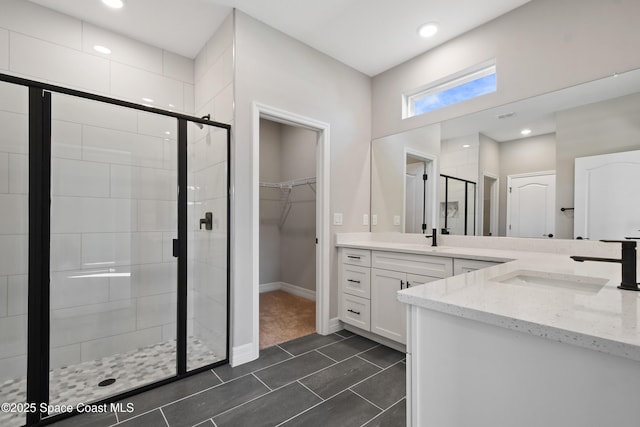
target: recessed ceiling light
114 4
102 49
147 99
167 133
525 131
428 30
466 146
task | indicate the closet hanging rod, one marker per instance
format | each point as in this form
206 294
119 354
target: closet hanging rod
289 184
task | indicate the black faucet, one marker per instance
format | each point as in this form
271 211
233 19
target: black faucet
433 237
628 261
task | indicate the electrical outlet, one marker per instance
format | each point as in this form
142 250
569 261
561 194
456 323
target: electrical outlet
374 219
337 219
365 219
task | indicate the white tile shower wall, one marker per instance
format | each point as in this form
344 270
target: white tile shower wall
113 169
13 229
4 49
214 76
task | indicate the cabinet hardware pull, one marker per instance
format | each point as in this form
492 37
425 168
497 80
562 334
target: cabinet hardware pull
353 311
401 284
408 284
353 281
353 257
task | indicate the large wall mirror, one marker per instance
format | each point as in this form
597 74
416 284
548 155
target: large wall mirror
511 170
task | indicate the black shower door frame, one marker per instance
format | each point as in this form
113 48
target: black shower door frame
38 328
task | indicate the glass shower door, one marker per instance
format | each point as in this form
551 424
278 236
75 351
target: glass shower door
112 271
208 228
14 229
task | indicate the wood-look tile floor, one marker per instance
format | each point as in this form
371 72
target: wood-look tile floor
336 380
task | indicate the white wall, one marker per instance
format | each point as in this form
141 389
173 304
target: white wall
113 184
270 201
540 47
298 246
488 163
276 70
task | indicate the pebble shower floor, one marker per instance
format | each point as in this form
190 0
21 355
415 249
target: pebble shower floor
79 383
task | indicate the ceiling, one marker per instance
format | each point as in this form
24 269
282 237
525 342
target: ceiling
370 36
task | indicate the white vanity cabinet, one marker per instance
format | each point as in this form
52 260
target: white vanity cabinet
355 287
391 272
370 280
461 265
388 315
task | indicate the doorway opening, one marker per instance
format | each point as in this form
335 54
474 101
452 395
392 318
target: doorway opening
303 185
418 212
489 205
287 232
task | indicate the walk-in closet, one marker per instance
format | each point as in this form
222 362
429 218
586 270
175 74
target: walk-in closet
287 232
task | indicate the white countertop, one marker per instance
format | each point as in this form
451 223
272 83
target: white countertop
602 318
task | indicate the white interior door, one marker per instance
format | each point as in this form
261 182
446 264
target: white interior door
531 201
606 199
414 198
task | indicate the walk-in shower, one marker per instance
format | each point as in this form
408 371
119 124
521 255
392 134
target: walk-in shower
108 284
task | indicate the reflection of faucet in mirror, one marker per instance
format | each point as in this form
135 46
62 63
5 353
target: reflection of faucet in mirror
433 236
628 261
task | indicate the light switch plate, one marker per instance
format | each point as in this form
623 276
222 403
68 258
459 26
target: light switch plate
396 220
374 219
337 219
365 219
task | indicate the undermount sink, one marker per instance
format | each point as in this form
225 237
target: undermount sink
546 280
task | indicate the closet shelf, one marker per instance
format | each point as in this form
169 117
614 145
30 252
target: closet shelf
289 184
286 187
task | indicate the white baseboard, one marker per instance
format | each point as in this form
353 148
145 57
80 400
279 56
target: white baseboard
289 288
335 325
243 353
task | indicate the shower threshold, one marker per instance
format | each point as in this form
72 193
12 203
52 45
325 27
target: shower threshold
98 379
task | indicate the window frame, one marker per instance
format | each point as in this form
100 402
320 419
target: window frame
409 99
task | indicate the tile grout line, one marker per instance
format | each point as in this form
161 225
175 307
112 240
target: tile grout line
322 346
320 397
290 354
164 417
262 382
371 376
383 412
218 377
366 400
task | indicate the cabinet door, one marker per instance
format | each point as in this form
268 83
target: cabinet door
416 280
388 315
461 266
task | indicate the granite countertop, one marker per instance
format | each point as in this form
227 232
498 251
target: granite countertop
566 301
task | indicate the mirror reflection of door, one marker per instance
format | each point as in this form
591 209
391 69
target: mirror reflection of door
417 214
606 196
531 200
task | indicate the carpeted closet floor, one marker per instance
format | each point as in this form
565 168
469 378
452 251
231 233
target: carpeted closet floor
284 316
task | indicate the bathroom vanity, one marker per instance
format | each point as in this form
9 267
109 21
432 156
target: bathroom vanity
499 332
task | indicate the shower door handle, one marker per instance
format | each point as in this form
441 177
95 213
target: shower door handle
207 221
176 248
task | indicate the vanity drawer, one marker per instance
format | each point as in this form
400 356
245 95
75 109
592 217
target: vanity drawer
424 265
356 257
356 311
356 280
